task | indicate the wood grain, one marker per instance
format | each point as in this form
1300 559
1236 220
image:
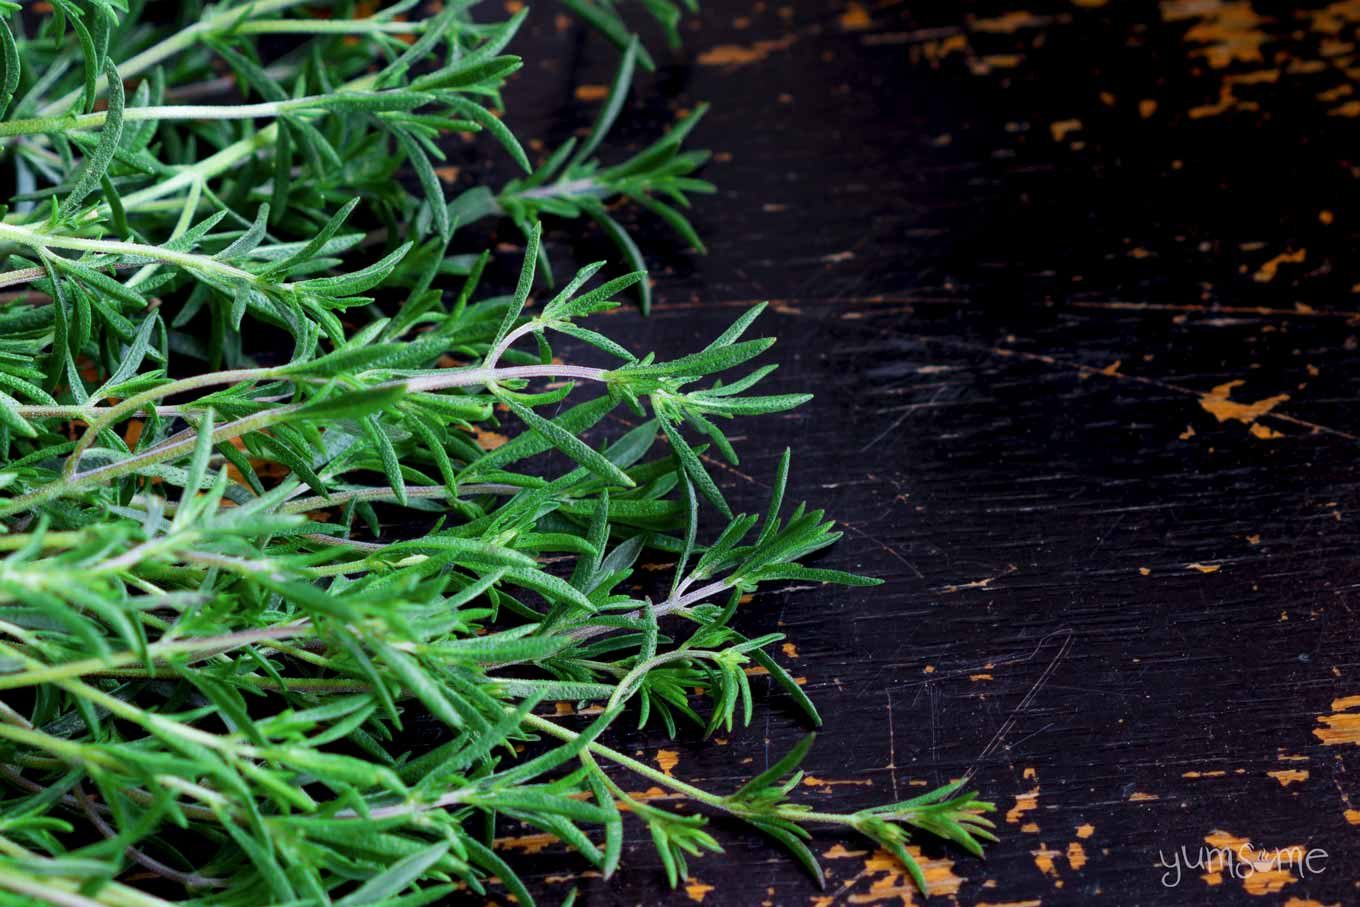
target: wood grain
1075 287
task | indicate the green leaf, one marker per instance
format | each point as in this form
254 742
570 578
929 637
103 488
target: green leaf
694 469
787 684
631 253
472 72
429 182
551 587
527 444
396 878
356 281
9 67
244 244
391 463
352 404
417 682
618 94
787 837
523 286
131 359
578 450
493 124
611 28
98 163
10 418
697 365
782 767
487 858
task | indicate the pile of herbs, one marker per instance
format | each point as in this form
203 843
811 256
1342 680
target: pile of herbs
242 343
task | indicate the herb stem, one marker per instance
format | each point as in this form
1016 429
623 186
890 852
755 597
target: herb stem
41 241
163 50
714 801
201 648
191 112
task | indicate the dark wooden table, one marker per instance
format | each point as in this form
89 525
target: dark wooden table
1075 286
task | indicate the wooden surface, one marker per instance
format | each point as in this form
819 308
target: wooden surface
1076 288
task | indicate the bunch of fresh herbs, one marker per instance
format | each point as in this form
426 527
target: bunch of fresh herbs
242 346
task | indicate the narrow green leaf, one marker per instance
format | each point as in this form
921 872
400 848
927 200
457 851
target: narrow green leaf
618 94
396 878
356 281
631 253
694 468
92 171
578 450
523 286
9 67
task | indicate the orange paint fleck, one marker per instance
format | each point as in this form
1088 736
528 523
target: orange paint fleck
1341 727
790 649
1085 831
1204 568
1023 803
841 852
667 760
1076 855
1140 797
487 440
1043 858
856 18
738 55
530 844
1010 22
935 51
1144 571
592 92
1267 271
1225 33
1218 404
1289 776
891 882
697 890
1061 128
814 781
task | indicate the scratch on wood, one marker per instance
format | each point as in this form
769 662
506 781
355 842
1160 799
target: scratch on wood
1008 725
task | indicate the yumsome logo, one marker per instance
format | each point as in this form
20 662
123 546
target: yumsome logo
1242 861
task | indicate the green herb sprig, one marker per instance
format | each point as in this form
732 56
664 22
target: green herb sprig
260 509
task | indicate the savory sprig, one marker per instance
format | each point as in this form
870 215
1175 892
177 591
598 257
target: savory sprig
271 489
